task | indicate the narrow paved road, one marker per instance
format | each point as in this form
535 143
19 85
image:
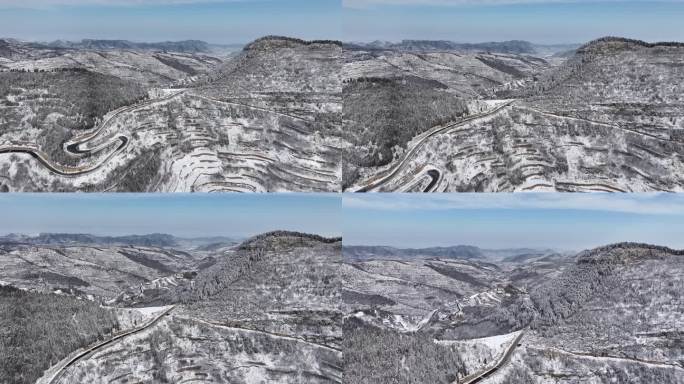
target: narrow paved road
272 334
59 169
434 175
381 180
254 107
654 363
73 146
57 376
479 376
601 123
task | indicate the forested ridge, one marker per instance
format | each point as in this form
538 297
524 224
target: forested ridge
38 330
386 113
270 240
379 356
596 273
60 102
84 94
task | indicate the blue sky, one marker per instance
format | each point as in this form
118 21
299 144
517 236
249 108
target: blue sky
549 220
240 21
214 21
546 220
539 21
187 215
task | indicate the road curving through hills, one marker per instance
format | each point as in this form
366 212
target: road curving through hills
57 376
380 180
74 145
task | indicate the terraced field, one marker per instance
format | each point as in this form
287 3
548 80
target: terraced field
100 271
513 319
291 115
267 309
607 119
181 349
291 307
249 123
519 148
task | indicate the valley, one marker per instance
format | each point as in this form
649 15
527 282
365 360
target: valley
176 310
119 117
606 118
290 307
609 314
283 114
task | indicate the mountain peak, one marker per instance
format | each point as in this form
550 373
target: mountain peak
186 46
151 240
276 42
280 239
510 46
610 44
625 252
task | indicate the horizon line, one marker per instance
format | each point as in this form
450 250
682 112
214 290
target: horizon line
536 248
7 234
370 41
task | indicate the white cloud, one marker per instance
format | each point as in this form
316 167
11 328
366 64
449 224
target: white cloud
360 4
645 203
124 3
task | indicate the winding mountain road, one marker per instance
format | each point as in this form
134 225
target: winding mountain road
596 122
271 334
434 176
379 181
74 145
57 376
653 363
77 145
505 358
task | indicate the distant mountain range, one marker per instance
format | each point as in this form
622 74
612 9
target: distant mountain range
5 48
511 46
363 252
190 46
150 240
198 46
185 46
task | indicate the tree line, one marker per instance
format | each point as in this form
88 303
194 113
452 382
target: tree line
38 330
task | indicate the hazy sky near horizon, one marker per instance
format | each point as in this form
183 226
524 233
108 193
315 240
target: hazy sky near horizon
185 215
549 220
538 21
214 21
502 220
240 21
